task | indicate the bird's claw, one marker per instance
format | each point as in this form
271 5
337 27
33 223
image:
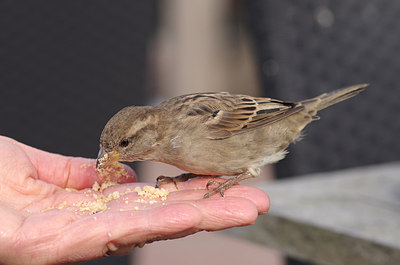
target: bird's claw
161 180
164 180
221 187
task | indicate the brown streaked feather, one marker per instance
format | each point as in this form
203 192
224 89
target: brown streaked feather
227 115
233 122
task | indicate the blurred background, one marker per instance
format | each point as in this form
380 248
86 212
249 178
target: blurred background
67 66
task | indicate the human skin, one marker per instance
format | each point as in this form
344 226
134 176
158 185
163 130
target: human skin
34 229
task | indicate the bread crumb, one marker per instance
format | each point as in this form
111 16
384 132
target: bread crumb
152 193
92 207
113 196
114 169
62 205
96 186
107 184
140 200
47 209
59 207
109 177
100 203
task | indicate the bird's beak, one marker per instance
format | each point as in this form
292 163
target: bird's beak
104 159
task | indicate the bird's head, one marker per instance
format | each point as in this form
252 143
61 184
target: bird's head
130 135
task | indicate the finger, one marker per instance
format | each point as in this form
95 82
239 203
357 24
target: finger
232 210
90 237
127 228
227 212
257 196
191 191
71 172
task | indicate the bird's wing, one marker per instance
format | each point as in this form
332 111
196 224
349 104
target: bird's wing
226 115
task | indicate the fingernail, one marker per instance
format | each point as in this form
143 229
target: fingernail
112 247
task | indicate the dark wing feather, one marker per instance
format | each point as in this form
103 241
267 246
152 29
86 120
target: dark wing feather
227 115
240 118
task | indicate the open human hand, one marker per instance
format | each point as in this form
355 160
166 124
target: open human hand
41 221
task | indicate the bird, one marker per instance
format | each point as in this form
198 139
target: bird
212 134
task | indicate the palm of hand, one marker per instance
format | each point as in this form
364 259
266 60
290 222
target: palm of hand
37 228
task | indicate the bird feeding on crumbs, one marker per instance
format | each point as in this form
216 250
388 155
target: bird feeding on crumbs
212 134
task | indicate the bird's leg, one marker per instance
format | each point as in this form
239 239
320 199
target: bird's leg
181 178
223 186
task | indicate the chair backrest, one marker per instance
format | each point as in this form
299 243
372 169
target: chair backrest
306 48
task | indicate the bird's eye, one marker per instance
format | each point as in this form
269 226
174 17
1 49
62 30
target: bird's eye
124 143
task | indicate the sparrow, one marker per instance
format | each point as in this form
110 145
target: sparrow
212 134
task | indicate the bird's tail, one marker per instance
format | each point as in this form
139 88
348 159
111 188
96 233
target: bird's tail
327 99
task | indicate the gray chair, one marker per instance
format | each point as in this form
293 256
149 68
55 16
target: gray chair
305 48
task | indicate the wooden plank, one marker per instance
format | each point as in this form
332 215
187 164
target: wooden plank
343 217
